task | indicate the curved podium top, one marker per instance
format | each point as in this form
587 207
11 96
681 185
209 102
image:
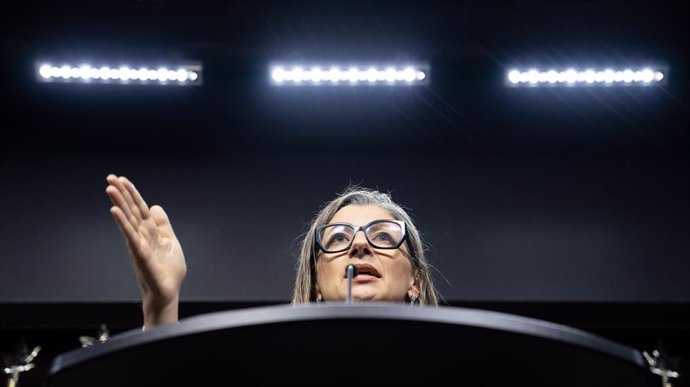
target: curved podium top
354 344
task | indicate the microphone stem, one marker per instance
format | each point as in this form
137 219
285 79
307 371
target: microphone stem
350 275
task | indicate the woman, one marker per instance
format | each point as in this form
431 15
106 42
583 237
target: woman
388 253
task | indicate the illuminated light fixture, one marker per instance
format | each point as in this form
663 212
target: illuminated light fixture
356 75
180 75
589 77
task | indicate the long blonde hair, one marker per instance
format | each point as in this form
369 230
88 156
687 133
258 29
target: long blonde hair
305 281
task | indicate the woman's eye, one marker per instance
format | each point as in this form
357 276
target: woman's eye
337 238
383 237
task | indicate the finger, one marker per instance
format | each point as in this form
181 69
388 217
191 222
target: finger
126 229
118 201
132 233
118 197
136 196
134 213
110 178
162 221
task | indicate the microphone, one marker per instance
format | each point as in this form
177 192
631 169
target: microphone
351 272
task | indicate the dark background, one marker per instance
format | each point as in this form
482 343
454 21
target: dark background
569 204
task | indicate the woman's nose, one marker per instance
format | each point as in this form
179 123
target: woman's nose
360 246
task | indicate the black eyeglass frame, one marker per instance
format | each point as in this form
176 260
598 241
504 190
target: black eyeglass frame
402 225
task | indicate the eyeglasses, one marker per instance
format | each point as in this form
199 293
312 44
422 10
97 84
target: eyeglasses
381 234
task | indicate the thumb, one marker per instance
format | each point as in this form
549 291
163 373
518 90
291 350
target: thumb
162 221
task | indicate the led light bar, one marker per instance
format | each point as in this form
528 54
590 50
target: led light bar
182 75
608 77
334 75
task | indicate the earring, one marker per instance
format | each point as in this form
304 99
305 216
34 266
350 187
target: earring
319 297
413 297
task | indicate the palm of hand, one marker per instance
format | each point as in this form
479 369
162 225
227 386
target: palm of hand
154 250
161 266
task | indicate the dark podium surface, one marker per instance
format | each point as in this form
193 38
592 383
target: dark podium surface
355 344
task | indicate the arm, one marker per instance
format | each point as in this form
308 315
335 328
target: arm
154 251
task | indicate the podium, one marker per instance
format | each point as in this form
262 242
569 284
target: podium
354 344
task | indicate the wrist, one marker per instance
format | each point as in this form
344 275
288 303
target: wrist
160 312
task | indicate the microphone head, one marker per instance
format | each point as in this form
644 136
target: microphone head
351 270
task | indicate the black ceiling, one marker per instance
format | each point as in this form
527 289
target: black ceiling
465 109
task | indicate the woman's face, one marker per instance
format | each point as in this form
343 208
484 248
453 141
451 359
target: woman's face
393 278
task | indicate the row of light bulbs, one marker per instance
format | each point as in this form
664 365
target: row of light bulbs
48 72
122 73
608 76
335 75
373 75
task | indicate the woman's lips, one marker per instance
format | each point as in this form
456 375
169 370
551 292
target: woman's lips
363 278
365 269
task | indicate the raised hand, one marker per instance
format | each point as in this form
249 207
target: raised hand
154 251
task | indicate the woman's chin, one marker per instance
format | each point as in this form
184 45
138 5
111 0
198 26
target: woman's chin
365 293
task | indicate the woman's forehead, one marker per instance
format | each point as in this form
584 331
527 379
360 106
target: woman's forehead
359 215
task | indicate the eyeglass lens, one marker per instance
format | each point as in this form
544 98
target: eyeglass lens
383 235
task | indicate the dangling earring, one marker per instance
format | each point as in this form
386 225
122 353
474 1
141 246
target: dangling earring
319 297
413 298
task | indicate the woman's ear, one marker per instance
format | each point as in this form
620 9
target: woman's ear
317 292
413 290
318 297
